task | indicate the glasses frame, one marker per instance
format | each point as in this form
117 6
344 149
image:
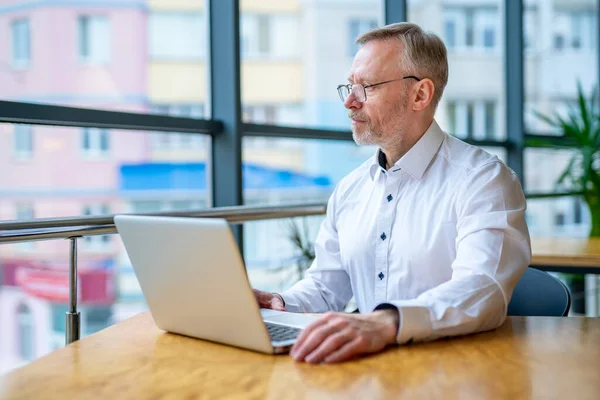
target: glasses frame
350 87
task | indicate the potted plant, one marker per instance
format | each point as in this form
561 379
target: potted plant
301 240
581 134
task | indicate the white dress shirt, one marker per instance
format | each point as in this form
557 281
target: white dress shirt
441 235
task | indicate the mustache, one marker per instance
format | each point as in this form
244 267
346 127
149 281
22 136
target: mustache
357 115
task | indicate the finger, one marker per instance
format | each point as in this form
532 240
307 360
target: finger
349 350
311 340
330 345
305 333
277 303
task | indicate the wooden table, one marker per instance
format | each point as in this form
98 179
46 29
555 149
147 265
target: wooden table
573 255
533 357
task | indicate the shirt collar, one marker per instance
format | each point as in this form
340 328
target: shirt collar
418 158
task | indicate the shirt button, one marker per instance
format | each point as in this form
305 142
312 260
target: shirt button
389 198
381 276
383 236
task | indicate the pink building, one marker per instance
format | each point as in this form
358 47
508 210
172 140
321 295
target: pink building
76 53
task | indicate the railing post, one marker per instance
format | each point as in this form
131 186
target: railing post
73 321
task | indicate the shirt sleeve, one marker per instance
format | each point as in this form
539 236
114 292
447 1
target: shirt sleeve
493 250
326 286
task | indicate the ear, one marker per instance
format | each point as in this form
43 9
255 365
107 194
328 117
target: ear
425 90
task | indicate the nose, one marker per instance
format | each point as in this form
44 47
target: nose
351 102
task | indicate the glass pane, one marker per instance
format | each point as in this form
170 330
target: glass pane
128 173
499 152
275 251
561 216
141 56
295 53
561 49
283 171
543 169
472 105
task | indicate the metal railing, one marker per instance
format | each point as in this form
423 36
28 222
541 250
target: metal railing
74 228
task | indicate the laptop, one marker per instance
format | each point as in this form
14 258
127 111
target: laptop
195 284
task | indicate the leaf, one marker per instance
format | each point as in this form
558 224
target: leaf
550 120
567 172
581 132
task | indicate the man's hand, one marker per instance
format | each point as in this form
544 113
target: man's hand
338 337
269 300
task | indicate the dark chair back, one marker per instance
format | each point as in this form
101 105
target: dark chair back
539 294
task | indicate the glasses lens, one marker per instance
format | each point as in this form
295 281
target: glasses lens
359 92
344 92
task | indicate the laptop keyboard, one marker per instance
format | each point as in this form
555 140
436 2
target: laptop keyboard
278 332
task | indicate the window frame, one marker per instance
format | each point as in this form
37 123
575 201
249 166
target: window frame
225 125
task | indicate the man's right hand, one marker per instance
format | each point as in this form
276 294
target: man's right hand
269 300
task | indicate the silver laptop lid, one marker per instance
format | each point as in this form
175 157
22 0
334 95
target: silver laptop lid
193 279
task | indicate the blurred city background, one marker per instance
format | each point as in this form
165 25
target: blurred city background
151 57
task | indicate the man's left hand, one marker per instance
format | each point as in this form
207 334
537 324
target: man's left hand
338 337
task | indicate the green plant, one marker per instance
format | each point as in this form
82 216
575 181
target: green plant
300 238
581 133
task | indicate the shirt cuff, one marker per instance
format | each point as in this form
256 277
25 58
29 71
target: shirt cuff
291 303
414 324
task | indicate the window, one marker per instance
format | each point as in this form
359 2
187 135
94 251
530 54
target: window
23 141
26 332
357 27
451 112
21 43
94 39
255 31
490 119
260 114
470 27
450 33
559 218
577 210
96 242
565 40
574 29
291 80
95 142
283 171
177 36
264 29
489 38
470 118
475 119
530 28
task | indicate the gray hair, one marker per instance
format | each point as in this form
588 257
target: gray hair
423 53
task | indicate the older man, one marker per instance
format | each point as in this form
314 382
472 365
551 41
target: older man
429 235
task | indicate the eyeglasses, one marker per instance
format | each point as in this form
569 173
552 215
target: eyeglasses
359 92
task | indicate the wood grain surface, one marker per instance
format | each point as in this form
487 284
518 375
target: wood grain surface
528 357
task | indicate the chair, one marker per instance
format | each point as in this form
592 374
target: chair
539 294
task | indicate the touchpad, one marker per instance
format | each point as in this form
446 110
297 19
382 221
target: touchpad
286 318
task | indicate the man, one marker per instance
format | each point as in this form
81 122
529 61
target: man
429 235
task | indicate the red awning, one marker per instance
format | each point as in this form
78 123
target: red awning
95 286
